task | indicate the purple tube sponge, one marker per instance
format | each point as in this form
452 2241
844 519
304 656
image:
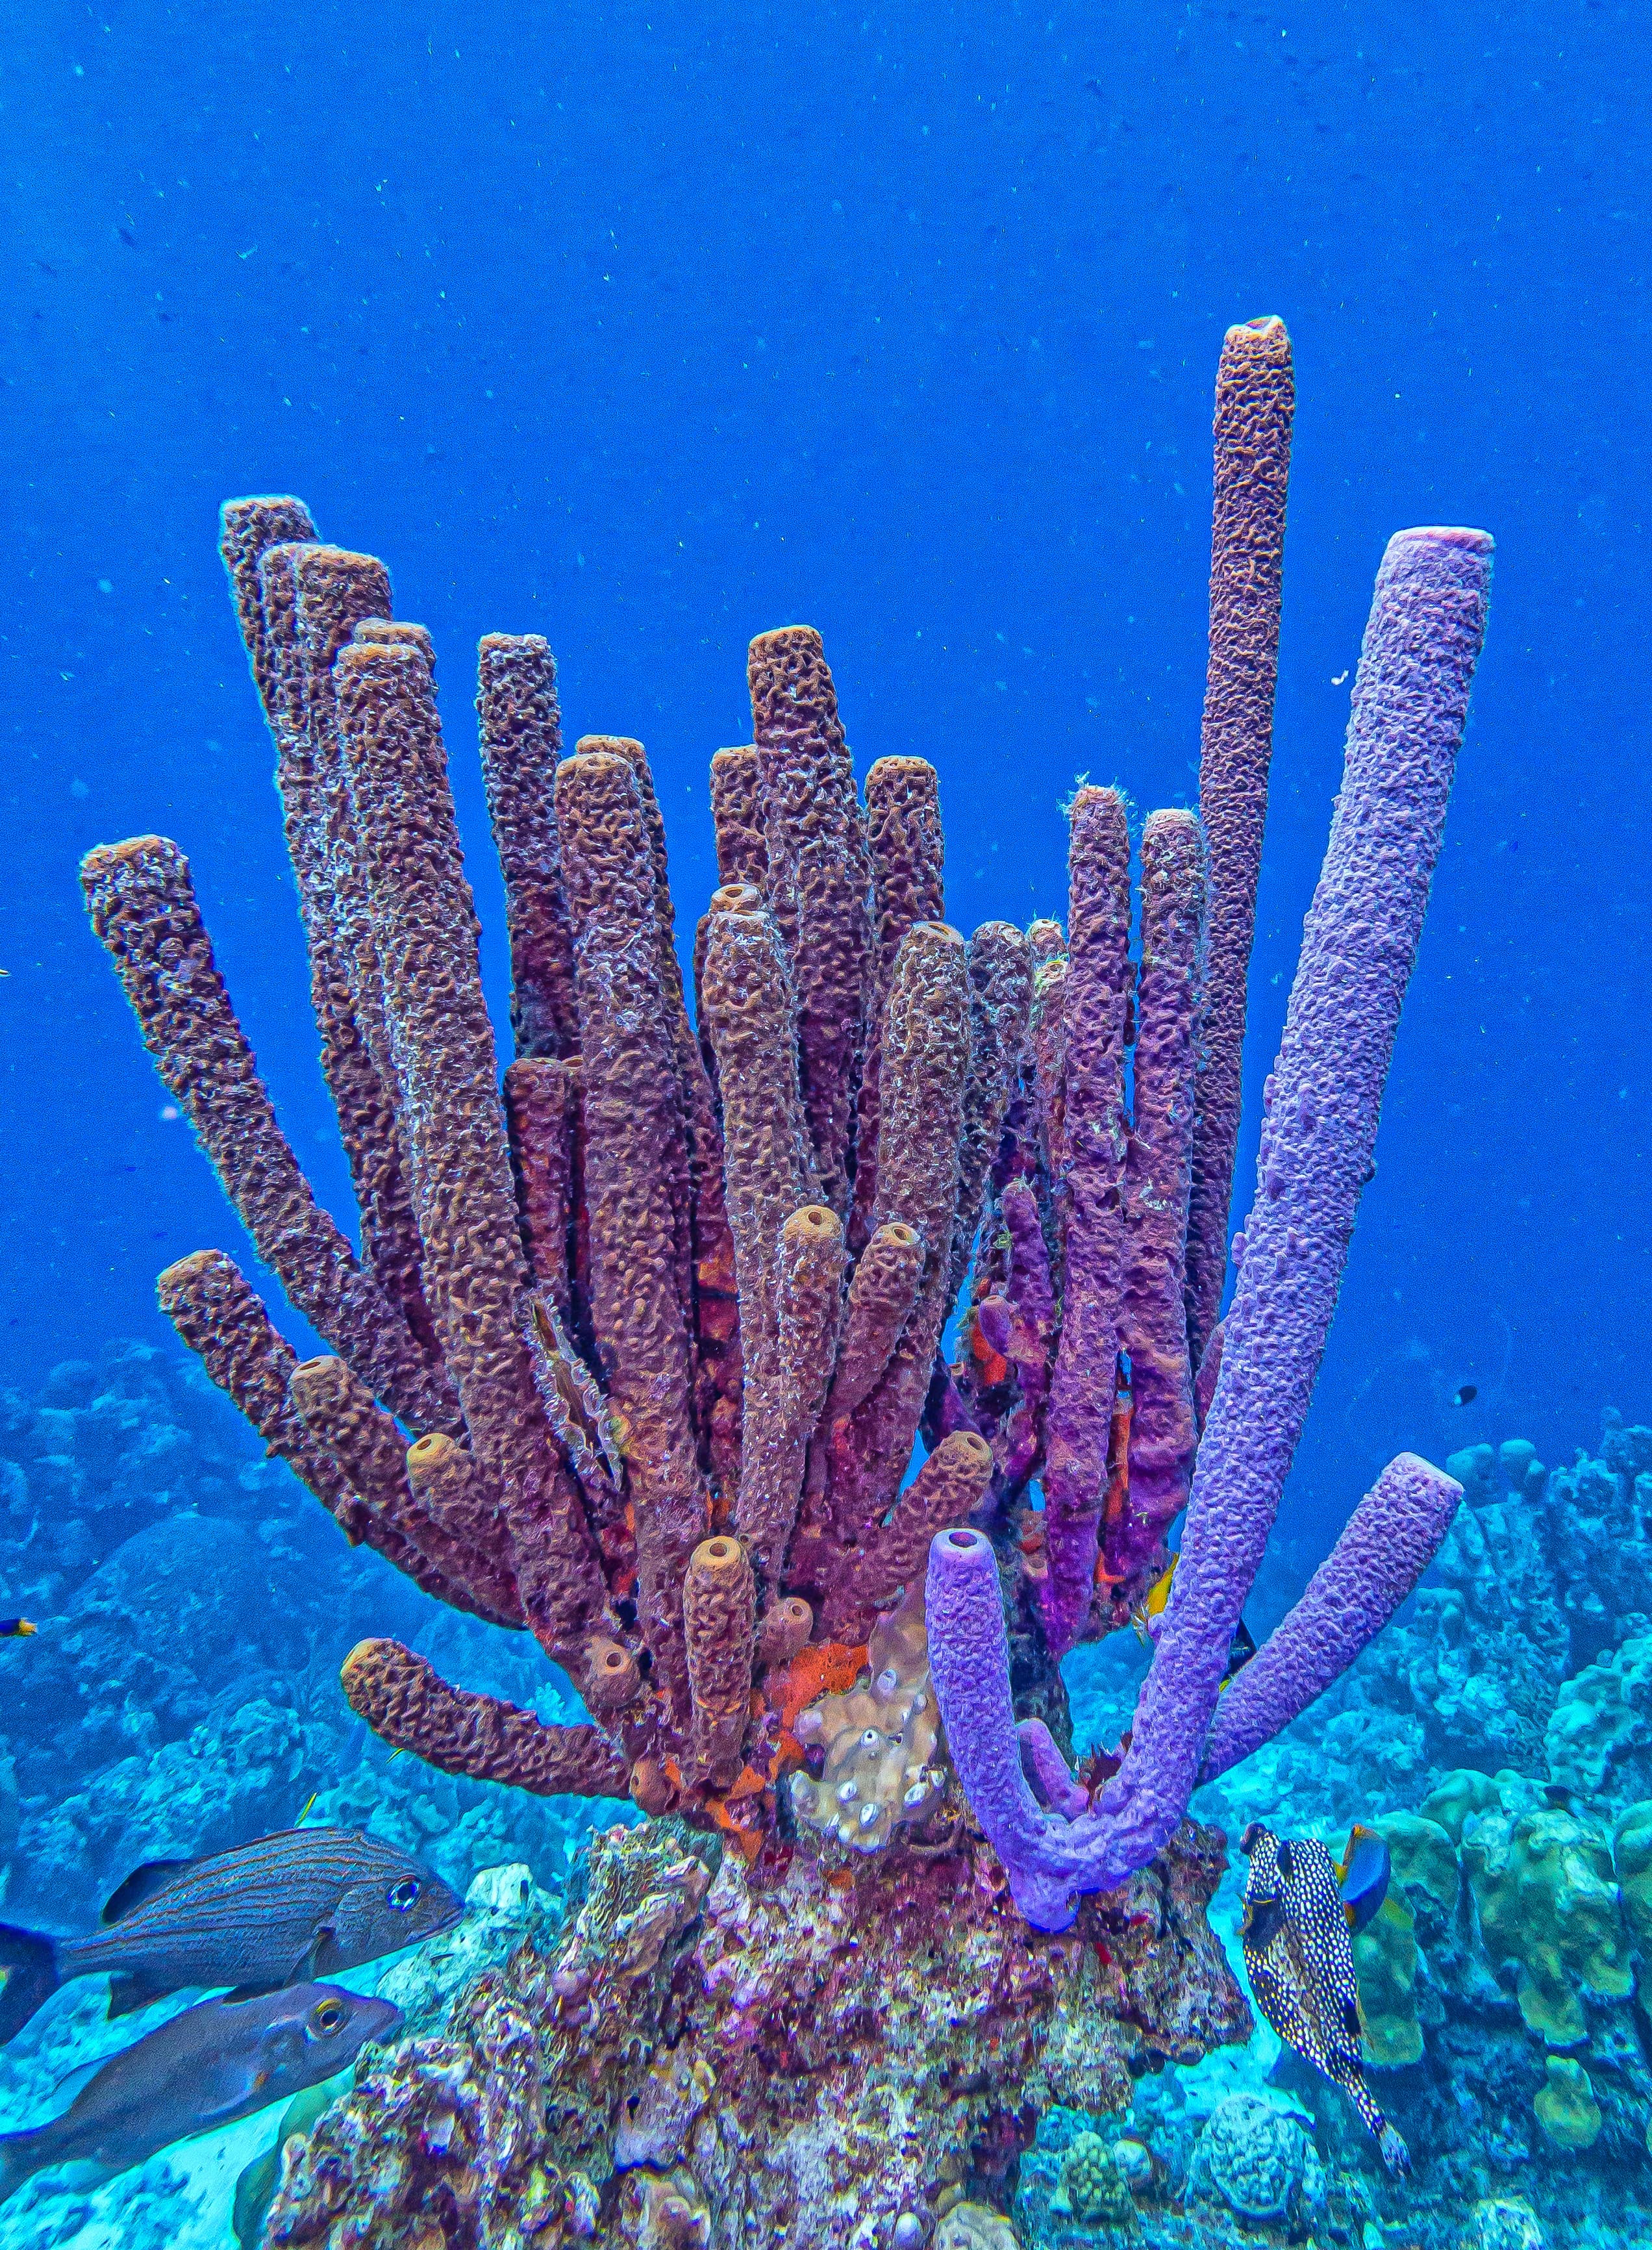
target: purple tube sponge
1048 1858
1386 1546
1153 1320
1096 1011
1410 704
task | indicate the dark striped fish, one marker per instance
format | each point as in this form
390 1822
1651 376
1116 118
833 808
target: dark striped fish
198 2071
307 1903
1298 1957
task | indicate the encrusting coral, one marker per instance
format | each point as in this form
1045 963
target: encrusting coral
821 2061
662 1306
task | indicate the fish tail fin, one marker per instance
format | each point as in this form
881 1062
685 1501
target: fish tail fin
17 2163
1392 2150
29 1962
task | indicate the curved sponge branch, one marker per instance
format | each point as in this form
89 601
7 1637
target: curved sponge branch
1386 1546
142 906
408 1704
1410 707
1319 1129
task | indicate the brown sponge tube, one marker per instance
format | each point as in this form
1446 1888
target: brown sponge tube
246 529
636 1181
808 1306
207 1298
1255 402
142 906
768 1173
1152 1324
949 1484
408 1705
742 856
720 1608
541 1098
521 749
818 878
786 1627
340 1413
219 1316
920 1131
315 598
1096 1018
707 1275
904 845
453 1124
1000 1002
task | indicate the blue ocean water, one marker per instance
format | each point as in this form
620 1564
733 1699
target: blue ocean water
649 327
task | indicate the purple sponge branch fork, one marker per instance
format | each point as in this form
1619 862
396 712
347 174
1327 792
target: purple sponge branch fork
1386 1546
1410 706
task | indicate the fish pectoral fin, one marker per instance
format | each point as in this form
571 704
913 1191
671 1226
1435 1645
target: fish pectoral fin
1263 1919
141 1885
235 2099
320 1956
130 1989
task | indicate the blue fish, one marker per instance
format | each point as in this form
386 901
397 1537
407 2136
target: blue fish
1362 1876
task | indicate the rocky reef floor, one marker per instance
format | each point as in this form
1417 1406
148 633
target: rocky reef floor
659 2046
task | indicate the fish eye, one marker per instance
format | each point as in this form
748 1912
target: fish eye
326 2017
402 1895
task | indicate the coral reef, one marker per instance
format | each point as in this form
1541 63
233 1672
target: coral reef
642 1335
664 1309
1258 2161
1547 1905
1600 1731
785 2053
181 1695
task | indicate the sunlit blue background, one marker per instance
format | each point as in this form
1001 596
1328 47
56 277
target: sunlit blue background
650 327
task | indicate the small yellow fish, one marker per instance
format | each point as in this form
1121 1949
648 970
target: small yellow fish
304 1807
1153 1606
15 1628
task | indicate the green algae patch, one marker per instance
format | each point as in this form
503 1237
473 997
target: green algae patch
1565 2105
1543 1881
1457 1797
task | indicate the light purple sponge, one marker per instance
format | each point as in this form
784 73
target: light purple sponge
1386 1546
1410 703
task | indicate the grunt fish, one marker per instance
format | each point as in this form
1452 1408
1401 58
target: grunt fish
306 1903
1298 1956
214 2063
